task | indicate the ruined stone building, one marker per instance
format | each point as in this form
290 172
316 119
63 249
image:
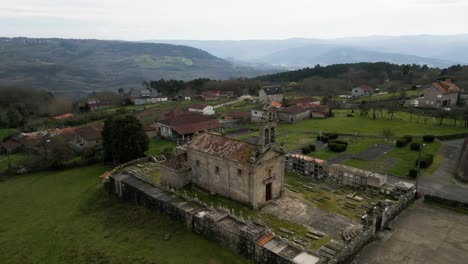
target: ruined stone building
250 173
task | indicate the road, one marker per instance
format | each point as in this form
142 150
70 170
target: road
423 234
442 182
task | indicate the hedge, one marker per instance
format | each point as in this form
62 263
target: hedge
451 136
428 138
337 145
426 160
312 147
332 135
415 146
413 173
323 138
408 138
306 150
402 142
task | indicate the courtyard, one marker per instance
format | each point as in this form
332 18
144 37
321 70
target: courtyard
423 233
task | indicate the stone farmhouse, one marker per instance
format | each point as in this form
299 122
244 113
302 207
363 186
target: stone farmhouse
182 126
88 137
202 109
269 94
293 113
440 94
145 96
362 90
252 174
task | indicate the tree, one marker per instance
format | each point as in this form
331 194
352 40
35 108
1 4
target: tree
124 139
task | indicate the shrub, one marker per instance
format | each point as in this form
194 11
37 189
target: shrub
413 173
306 150
401 143
426 160
428 138
408 138
322 138
312 147
337 145
415 146
332 135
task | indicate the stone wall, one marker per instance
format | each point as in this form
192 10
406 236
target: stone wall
379 218
248 239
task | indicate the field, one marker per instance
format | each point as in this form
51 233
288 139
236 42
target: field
401 125
64 217
157 145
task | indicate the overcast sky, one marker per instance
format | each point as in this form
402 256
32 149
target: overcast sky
234 19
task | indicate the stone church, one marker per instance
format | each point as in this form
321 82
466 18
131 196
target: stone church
251 173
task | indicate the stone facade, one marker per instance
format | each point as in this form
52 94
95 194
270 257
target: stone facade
269 94
307 166
294 114
439 94
248 239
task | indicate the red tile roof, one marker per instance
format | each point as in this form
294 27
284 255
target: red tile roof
66 130
304 101
264 239
294 110
276 104
324 109
236 115
446 87
89 133
190 122
174 113
223 147
63 117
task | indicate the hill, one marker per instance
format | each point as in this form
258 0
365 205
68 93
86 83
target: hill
436 51
70 64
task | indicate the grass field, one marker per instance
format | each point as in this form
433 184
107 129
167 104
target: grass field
157 145
64 217
340 123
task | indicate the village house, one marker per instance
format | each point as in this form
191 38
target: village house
269 94
202 109
293 113
151 131
144 96
257 114
439 94
249 173
88 137
362 90
184 125
320 111
305 102
236 115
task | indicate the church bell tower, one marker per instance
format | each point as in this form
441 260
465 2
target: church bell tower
267 130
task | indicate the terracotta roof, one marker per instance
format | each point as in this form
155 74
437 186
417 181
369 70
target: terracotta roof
294 110
105 175
174 113
446 87
66 130
89 133
264 239
223 147
63 117
303 157
198 106
177 163
271 90
304 101
189 122
10 145
324 109
149 128
276 104
236 115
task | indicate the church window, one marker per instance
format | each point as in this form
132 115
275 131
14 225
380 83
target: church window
239 172
217 169
197 162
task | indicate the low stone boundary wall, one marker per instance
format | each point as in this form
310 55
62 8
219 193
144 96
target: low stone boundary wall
379 218
248 239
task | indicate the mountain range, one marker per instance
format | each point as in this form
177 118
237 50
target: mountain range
435 51
71 64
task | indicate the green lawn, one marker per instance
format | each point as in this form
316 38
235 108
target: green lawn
157 145
387 96
64 217
7 132
14 159
340 123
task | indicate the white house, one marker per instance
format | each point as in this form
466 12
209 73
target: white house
362 90
202 108
144 96
256 115
269 94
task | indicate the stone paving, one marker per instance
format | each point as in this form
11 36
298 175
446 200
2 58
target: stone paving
421 234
